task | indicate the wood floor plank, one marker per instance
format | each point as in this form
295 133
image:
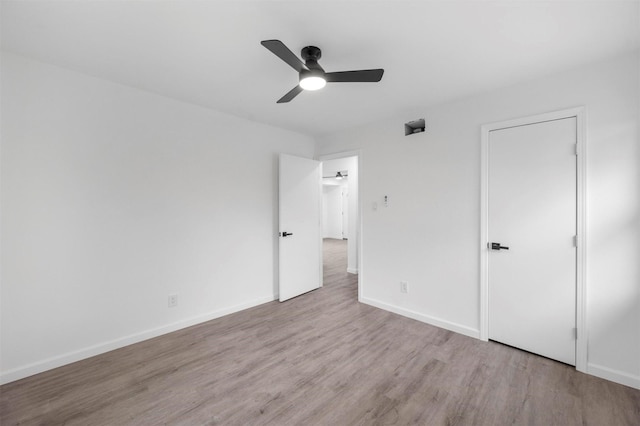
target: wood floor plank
319 359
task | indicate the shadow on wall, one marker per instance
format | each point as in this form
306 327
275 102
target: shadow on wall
613 291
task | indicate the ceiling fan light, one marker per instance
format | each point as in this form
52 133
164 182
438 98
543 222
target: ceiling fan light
312 83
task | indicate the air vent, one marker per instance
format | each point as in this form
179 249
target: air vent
413 127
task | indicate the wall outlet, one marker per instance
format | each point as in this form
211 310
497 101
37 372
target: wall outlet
173 300
404 287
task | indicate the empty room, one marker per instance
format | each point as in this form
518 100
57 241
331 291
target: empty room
319 212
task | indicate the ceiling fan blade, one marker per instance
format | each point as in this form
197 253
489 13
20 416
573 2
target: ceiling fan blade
292 94
360 76
281 51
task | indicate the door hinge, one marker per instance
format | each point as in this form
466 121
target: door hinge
575 333
577 151
575 241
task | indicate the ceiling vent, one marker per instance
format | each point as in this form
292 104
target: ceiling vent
413 127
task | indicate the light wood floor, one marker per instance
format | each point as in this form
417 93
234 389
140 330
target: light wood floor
321 358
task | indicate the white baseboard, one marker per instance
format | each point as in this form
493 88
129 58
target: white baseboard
617 376
438 322
352 270
68 358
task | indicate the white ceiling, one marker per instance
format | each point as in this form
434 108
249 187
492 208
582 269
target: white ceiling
209 53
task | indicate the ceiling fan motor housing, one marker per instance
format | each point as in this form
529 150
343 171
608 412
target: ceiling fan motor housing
311 52
311 55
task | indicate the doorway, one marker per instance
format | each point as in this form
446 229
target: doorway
340 222
335 207
532 233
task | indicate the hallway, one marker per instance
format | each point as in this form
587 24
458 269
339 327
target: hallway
334 257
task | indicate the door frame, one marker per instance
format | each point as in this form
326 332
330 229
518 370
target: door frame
581 207
358 155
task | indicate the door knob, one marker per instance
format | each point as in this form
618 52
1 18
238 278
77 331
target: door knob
497 246
286 234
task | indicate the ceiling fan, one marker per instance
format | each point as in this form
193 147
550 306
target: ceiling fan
311 74
339 175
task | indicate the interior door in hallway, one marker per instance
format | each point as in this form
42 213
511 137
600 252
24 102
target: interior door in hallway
531 229
300 217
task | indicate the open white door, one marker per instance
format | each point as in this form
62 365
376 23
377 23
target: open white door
300 226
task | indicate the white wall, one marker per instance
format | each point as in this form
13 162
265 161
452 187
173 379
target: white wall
114 198
332 211
429 234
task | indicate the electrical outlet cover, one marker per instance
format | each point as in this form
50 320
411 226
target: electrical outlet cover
173 300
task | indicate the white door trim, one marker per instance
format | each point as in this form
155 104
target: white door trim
581 297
